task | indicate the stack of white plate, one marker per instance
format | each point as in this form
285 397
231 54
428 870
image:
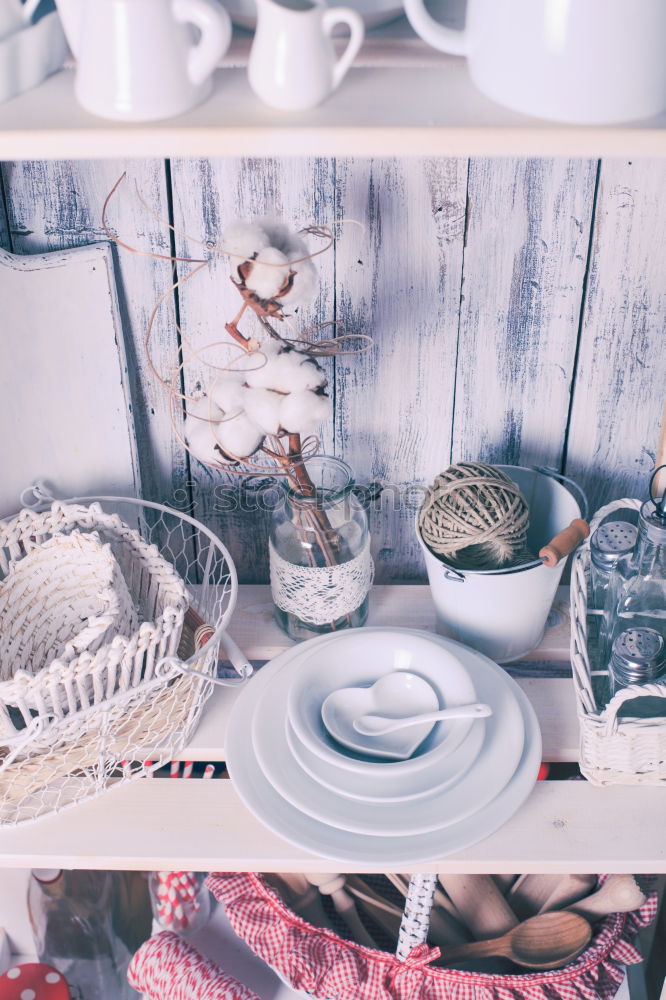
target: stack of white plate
460 784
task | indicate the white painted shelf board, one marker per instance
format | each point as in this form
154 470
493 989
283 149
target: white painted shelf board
162 824
202 825
401 98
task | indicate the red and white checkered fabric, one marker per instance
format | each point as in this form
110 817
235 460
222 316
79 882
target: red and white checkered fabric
167 968
322 964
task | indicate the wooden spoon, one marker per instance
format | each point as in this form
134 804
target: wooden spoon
546 941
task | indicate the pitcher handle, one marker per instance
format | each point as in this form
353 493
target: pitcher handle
456 43
344 15
214 23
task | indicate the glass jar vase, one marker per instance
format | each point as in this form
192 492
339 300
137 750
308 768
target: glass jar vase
321 567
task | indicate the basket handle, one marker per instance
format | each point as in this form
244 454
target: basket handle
610 713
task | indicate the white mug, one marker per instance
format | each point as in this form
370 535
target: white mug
15 15
292 63
583 61
136 60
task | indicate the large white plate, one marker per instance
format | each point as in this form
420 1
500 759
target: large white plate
492 769
355 785
376 853
358 658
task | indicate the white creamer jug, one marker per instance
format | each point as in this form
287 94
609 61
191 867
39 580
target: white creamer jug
583 61
136 60
292 64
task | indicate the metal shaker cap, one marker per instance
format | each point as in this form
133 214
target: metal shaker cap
611 541
638 654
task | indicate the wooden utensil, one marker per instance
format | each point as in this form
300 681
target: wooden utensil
386 914
333 885
564 542
481 905
530 894
302 897
619 894
547 941
569 890
504 882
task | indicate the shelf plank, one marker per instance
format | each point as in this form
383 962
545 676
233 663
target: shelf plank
422 110
565 826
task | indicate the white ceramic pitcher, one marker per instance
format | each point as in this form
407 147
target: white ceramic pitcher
292 64
15 15
136 60
585 61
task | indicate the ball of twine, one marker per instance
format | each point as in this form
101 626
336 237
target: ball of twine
475 517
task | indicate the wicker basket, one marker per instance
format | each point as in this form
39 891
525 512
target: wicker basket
116 710
614 750
58 576
323 965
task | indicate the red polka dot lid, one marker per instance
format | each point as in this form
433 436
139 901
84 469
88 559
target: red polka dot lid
33 981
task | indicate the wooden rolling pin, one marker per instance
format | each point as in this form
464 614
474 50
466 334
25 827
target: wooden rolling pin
570 889
480 904
564 542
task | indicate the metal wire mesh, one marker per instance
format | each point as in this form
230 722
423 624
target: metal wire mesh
58 760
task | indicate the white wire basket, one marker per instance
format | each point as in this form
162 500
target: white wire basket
614 749
85 719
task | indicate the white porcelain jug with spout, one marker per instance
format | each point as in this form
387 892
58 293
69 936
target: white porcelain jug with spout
581 61
293 65
136 59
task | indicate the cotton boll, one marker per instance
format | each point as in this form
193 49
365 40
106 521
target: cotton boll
204 410
239 437
293 371
266 279
304 284
277 233
228 393
201 442
261 367
302 412
244 239
262 406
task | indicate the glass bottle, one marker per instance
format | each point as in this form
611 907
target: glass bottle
321 567
637 586
70 913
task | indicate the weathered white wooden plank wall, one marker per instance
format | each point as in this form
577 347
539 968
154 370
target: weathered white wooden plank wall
620 381
54 205
528 229
471 278
399 280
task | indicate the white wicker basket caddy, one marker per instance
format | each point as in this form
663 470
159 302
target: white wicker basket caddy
614 749
115 690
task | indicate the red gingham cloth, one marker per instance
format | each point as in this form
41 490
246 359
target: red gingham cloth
167 968
322 964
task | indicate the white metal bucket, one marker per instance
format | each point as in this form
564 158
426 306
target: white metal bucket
503 613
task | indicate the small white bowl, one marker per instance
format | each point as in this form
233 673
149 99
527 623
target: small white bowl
358 658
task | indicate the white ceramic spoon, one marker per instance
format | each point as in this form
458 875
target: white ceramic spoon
379 725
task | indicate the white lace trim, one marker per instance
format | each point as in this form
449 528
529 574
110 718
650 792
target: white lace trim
321 594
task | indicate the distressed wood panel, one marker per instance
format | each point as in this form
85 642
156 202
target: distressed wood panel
207 196
399 280
58 205
621 375
528 224
5 241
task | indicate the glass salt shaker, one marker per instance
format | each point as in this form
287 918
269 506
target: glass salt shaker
609 543
638 657
636 595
